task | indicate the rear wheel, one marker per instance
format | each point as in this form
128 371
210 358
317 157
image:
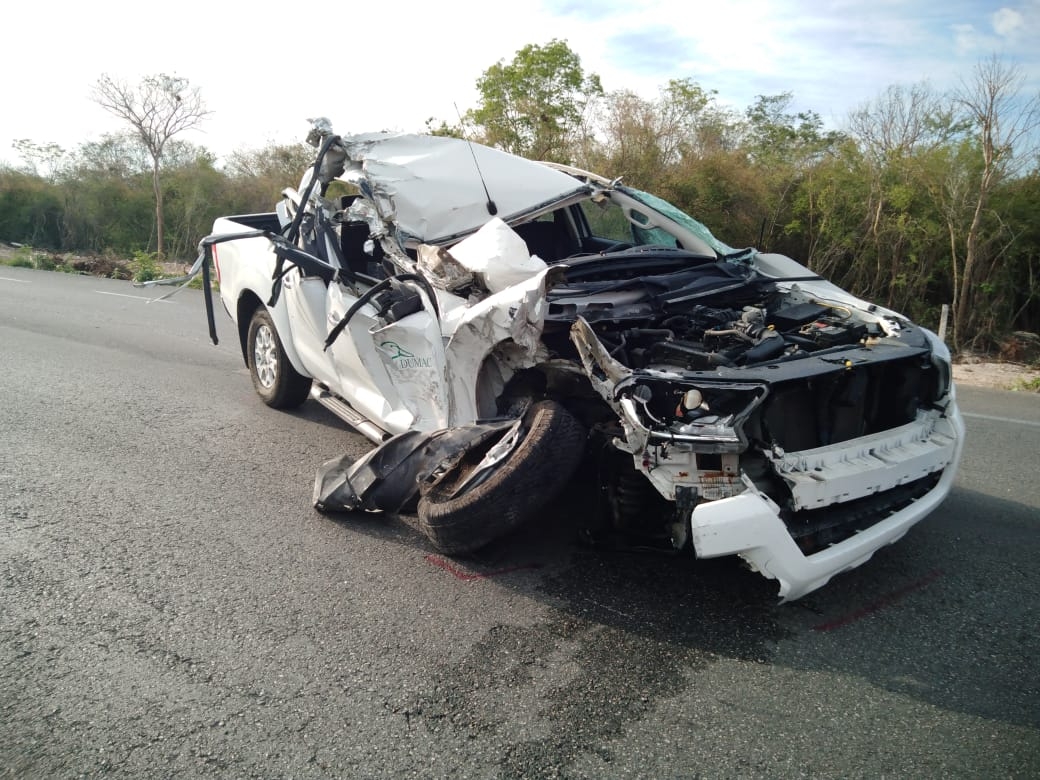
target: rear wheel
460 521
276 381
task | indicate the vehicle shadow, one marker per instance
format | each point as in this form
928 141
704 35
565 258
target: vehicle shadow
621 632
914 621
947 616
316 413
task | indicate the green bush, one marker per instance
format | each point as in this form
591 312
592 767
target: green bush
44 262
196 283
1029 385
21 262
27 257
145 267
23 258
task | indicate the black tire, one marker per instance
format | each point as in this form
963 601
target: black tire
276 381
536 471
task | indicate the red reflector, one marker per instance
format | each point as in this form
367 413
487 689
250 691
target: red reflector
216 262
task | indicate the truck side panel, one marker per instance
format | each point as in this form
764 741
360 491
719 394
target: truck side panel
246 266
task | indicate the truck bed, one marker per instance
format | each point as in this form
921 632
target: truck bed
265 221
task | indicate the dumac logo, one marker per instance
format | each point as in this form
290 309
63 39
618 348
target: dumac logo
402 358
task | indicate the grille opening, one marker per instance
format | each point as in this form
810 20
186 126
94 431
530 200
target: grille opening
846 404
816 529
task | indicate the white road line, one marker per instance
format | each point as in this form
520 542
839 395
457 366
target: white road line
135 297
20 281
1011 420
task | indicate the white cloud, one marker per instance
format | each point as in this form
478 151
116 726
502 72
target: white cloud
966 38
1018 26
1007 22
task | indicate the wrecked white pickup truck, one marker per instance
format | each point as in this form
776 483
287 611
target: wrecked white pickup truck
494 324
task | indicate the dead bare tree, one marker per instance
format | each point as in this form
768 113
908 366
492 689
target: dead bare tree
1003 121
157 108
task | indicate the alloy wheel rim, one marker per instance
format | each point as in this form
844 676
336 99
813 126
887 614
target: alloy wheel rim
264 357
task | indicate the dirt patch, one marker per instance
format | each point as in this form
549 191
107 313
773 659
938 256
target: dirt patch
980 372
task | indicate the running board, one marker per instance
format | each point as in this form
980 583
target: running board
347 414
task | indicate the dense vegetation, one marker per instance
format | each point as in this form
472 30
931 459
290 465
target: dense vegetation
920 199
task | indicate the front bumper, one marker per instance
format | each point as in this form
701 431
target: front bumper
749 525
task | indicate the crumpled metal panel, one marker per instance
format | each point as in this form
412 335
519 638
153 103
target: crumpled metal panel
749 525
387 478
439 266
438 188
499 255
516 315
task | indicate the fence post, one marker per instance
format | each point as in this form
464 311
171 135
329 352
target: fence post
943 320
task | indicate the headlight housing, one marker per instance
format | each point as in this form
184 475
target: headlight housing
707 416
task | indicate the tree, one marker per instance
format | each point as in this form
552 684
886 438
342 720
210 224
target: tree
784 148
157 109
40 159
905 138
258 175
283 164
195 193
1000 118
901 121
30 209
441 129
113 154
642 139
536 106
107 196
1017 285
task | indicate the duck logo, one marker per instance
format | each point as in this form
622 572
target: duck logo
402 358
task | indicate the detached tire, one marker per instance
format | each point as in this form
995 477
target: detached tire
276 381
534 473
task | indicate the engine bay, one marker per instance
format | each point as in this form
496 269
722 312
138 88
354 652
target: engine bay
683 311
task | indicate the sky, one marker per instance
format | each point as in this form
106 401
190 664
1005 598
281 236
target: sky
265 67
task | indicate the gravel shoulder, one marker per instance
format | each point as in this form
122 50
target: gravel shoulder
993 375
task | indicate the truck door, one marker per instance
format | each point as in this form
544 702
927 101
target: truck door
393 373
306 302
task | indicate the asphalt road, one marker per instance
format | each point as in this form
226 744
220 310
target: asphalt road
171 606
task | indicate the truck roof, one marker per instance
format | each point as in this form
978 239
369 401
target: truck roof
438 189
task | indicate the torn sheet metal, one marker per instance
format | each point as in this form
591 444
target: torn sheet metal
362 210
387 478
749 525
442 269
515 315
498 255
603 371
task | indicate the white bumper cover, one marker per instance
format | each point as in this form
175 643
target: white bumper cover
749 525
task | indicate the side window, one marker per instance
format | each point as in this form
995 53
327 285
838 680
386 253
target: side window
607 221
609 224
655 236
646 235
